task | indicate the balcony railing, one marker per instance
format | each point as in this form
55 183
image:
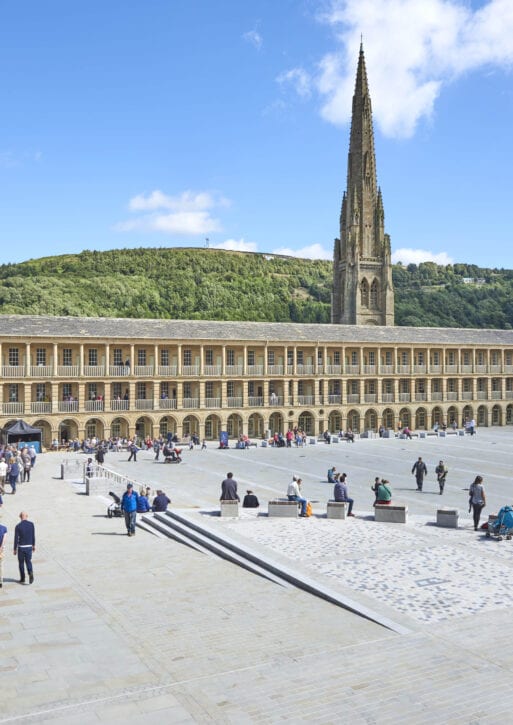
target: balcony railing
451 395
94 371
509 394
275 399
212 370
67 371
436 396
496 395
404 369
386 369
144 404
255 370
116 405
305 369
119 371
305 400
40 407
495 368
290 369
466 369
67 406
13 371
370 397
451 368
212 402
419 369
481 368
255 401
353 398
189 403
435 369
369 369
234 369
168 371
94 406
387 397
352 369
234 402
333 369
335 399
167 403
404 397
13 408
481 395
275 369
190 370
420 397
143 371
41 371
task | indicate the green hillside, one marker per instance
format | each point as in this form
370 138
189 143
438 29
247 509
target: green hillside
219 285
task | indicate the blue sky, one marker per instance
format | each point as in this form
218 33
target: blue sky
169 122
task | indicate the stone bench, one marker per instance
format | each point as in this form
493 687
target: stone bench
230 508
283 508
391 513
336 509
447 517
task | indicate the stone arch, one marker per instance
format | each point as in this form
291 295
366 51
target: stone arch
437 416
405 418
234 425
364 293
212 427
509 414
468 412
482 416
119 427
335 421
144 427
452 415
190 425
46 432
388 418
306 422
255 426
370 420
421 419
276 424
167 424
94 428
496 417
353 420
67 429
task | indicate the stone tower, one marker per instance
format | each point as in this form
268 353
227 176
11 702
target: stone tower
362 273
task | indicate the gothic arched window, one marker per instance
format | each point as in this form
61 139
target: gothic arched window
364 293
374 294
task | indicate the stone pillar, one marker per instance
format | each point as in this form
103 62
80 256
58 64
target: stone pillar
27 359
81 361
55 365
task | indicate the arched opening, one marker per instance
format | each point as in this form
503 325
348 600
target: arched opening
234 425
167 424
144 427
468 413
276 423
374 293
212 427
452 415
119 428
370 420
496 415
388 419
421 419
335 421
404 418
482 416
255 426
509 415
190 425
353 421
68 430
94 429
437 417
46 432
364 293
306 422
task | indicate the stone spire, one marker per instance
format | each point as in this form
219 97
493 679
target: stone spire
362 283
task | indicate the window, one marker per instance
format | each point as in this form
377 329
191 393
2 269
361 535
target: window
116 391
451 357
353 387
404 358
14 356
209 389
371 387
251 357
387 386
435 358
93 357
290 357
508 358
187 357
91 391
354 358
319 357
404 386
336 357
495 358
270 357
41 392
466 358
140 391
496 384
117 356
67 391
164 390
480 358
467 385
364 293
67 357
141 357
436 386
374 295
481 385
335 387
230 357
209 357
164 357
299 357
187 391
421 386
300 388
230 389
40 356
251 389
451 385
372 358
420 358
13 393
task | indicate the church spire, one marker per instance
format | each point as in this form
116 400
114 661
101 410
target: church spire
364 260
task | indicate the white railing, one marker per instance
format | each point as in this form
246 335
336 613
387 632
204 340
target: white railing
466 368
305 369
234 402
189 403
97 471
353 398
13 408
94 406
419 397
495 368
419 369
190 370
255 402
67 406
275 400
386 369
403 369
119 405
119 371
212 370
167 403
436 396
404 397
305 400
352 369
144 371
370 397
496 395
234 369
40 407
275 369
168 370
67 371
333 369
255 370
481 368
452 396
94 371
334 399
290 369
212 402
41 371
13 371
144 404
435 369
387 397
481 395
369 369
451 368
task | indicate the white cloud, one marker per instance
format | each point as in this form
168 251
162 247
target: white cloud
412 49
236 245
188 213
416 256
313 251
299 79
254 38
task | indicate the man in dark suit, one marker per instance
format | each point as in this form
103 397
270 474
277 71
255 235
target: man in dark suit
24 545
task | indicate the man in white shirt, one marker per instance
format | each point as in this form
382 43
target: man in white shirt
294 494
3 474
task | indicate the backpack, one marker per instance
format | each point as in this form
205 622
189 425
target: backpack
309 510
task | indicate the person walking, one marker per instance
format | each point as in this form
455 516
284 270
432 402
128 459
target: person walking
229 489
13 473
24 546
133 452
3 532
441 474
129 507
420 470
477 500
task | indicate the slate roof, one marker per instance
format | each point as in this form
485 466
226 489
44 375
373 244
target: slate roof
83 328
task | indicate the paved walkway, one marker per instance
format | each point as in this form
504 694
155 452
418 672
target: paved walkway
145 630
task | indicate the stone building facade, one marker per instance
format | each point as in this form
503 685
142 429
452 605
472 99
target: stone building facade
80 377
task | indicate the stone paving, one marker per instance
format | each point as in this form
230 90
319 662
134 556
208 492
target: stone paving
146 630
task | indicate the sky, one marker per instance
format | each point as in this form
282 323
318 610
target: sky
225 123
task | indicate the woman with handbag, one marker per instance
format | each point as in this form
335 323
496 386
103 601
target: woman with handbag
477 499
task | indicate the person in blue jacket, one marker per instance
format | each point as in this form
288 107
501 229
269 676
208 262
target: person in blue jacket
143 505
13 473
129 508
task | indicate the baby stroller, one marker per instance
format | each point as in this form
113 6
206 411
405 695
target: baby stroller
114 508
503 525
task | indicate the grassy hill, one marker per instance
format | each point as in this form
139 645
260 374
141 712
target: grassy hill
218 285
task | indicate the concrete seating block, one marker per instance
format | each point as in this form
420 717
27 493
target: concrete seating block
335 439
422 434
282 508
461 432
442 433
392 514
230 508
263 444
313 441
336 509
447 517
